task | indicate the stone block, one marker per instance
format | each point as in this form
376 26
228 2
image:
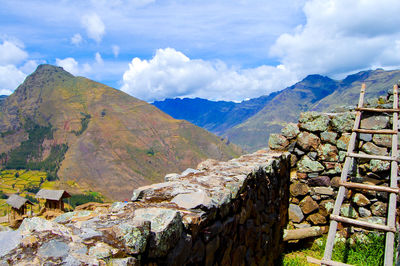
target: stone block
308 205
277 142
308 141
295 213
290 131
298 189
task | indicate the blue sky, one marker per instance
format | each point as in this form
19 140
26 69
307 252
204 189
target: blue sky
221 50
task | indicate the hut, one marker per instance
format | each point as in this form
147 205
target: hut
54 198
18 206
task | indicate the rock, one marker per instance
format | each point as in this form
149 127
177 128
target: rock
308 141
329 136
364 212
348 211
53 249
101 250
306 165
293 160
181 252
207 164
308 205
365 137
382 140
299 152
360 200
89 233
314 121
343 142
277 142
332 168
192 200
378 166
166 228
8 241
290 131
375 122
211 247
68 216
319 181
326 206
342 156
134 235
327 152
118 206
379 208
343 122
371 148
316 218
131 261
295 213
298 189
39 224
171 177
335 181
323 191
312 155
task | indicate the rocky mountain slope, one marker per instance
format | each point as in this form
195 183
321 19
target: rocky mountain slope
82 130
215 116
284 107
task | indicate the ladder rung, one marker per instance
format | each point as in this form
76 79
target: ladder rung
373 131
362 223
325 262
368 156
377 110
369 187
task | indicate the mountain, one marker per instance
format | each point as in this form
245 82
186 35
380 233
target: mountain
215 116
284 107
316 93
81 130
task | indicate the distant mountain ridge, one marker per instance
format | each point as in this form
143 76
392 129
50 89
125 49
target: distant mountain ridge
100 137
251 129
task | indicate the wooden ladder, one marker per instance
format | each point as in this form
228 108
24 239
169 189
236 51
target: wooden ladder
335 217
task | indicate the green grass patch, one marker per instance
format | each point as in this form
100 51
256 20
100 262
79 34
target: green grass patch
369 251
79 199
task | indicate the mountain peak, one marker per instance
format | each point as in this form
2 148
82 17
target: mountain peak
46 69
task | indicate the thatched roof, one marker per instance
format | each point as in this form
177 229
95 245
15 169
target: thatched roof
17 202
52 194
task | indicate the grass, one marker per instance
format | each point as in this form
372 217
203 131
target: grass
370 251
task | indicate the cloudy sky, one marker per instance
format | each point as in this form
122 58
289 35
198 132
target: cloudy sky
217 49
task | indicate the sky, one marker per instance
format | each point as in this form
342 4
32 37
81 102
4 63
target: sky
215 49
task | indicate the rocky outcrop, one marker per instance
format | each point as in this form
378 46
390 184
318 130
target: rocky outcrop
317 156
226 213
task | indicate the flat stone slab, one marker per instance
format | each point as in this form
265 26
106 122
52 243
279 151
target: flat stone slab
192 200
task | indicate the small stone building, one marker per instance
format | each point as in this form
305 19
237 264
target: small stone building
18 206
54 198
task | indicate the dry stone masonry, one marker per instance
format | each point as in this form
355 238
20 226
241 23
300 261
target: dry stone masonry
224 213
318 144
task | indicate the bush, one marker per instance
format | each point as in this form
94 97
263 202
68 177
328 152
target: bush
79 199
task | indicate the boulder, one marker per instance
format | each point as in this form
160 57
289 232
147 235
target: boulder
343 122
290 131
319 181
133 235
329 136
308 205
298 189
316 218
166 228
343 142
306 165
382 140
375 122
314 121
53 249
295 213
379 208
360 200
277 142
308 141
327 152
371 148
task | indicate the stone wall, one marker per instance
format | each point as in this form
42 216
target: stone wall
226 213
318 144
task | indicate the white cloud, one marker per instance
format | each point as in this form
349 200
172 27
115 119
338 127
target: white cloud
172 74
10 78
342 36
115 50
69 64
12 53
76 39
94 26
99 59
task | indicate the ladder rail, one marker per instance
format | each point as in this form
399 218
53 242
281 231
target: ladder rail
391 213
340 196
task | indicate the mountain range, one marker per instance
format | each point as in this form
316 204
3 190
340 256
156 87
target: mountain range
77 129
250 129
